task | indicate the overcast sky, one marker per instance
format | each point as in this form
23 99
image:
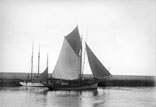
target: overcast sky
121 33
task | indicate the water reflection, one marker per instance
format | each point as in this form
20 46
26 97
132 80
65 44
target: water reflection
108 97
74 93
34 90
71 98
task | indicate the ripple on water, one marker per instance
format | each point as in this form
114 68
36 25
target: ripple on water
107 97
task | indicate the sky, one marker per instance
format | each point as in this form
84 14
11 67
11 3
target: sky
121 33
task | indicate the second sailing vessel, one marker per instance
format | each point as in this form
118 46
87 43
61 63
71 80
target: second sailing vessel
36 81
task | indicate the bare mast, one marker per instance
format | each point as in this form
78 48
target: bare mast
80 59
32 60
47 60
48 63
39 61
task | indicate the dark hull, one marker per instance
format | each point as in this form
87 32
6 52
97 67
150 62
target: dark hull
77 85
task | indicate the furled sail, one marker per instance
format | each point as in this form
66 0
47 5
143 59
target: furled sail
98 70
44 75
68 63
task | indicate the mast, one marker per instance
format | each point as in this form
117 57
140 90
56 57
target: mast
47 60
80 57
81 73
32 60
84 52
39 60
80 61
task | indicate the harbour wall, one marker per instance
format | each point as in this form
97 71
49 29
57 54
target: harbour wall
13 79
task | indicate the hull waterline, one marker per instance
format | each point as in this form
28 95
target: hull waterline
91 86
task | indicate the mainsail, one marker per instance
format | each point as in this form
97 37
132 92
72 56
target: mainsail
98 70
68 63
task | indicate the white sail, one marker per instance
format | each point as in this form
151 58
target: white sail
86 67
67 66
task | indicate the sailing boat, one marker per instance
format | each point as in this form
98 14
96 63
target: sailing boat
36 82
68 72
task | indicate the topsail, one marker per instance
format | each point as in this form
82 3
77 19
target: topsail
75 41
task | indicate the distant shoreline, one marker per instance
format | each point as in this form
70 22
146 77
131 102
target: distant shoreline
13 79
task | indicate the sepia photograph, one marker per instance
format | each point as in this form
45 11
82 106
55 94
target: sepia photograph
77 53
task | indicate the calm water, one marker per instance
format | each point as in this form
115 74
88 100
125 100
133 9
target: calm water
102 97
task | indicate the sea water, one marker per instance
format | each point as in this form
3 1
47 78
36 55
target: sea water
102 97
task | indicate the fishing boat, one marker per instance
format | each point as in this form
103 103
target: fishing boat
68 72
36 81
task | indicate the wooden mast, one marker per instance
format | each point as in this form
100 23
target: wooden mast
32 60
47 60
80 56
38 61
